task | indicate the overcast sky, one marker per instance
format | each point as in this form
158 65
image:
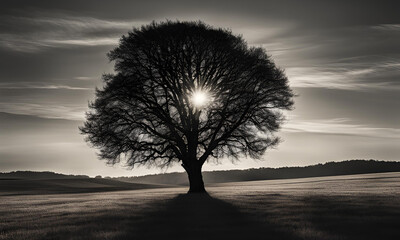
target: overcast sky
342 58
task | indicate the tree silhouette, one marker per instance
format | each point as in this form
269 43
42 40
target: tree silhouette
186 92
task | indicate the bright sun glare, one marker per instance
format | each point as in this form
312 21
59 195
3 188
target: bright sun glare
199 98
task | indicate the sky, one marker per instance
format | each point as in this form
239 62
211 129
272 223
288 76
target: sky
342 59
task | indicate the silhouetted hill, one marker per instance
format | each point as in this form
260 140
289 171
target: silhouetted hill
23 186
38 175
82 183
327 169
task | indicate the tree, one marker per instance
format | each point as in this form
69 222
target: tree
187 92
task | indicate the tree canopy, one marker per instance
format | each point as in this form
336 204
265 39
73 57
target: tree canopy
187 92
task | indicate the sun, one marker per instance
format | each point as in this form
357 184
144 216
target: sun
199 98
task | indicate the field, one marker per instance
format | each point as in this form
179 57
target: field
341 207
9 187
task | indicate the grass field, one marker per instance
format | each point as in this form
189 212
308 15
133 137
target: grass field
9 187
341 207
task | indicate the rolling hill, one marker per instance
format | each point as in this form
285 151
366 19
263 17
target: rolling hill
24 186
28 182
319 170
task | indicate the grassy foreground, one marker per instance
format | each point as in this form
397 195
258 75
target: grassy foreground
341 207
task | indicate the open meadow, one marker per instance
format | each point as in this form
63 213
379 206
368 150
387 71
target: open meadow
341 207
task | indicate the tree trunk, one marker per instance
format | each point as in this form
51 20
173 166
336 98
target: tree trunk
195 178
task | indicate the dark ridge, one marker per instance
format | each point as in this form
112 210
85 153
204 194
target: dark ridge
66 185
319 170
327 169
37 175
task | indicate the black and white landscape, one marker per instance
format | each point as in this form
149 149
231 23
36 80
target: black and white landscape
199 119
364 206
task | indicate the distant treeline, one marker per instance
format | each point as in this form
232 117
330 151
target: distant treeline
37 175
327 169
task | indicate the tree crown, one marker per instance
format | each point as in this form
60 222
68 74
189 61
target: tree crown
149 112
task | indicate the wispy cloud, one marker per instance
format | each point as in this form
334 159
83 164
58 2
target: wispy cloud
71 112
83 42
339 58
340 126
387 27
21 43
84 78
32 34
81 23
347 76
29 85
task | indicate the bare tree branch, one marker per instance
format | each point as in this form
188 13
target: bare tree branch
145 112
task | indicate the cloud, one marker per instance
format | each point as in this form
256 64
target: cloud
349 58
80 23
382 75
33 34
387 27
83 78
45 110
340 126
83 42
21 43
334 78
29 85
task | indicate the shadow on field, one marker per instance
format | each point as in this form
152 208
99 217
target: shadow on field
200 216
364 217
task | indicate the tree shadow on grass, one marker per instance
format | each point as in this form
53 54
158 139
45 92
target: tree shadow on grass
200 216
362 217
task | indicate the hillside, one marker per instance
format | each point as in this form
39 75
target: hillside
28 182
65 185
327 169
37 175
